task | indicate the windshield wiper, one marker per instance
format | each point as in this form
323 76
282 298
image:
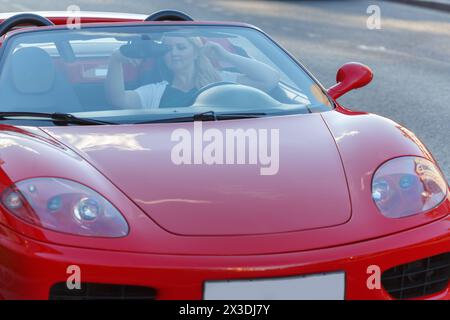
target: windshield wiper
208 116
57 118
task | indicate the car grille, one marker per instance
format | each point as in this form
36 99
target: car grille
97 291
419 278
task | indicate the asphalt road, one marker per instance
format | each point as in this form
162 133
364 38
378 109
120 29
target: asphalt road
410 54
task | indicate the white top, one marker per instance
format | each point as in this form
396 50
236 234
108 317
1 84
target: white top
151 94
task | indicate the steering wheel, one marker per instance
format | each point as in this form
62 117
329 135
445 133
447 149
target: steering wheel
209 86
23 19
233 95
212 85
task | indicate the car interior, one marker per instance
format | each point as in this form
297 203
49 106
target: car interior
53 82
68 75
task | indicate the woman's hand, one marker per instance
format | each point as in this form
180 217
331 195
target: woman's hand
215 51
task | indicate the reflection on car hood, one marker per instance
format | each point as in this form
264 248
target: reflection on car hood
308 190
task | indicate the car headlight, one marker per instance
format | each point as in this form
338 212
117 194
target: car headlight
64 206
407 186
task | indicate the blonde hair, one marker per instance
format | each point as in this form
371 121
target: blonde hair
205 73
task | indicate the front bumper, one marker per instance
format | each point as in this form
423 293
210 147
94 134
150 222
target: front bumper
28 268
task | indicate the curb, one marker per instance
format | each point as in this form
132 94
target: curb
425 4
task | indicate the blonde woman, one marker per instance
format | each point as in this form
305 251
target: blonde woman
190 68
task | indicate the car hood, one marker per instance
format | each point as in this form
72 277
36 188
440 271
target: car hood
305 189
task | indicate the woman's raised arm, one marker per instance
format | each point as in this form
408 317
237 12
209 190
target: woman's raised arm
114 84
253 72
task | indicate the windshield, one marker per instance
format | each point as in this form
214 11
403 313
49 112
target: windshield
134 74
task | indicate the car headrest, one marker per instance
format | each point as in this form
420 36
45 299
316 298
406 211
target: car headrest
32 70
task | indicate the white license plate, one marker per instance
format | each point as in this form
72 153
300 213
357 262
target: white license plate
330 286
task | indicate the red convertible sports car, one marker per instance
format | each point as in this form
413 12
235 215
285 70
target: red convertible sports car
164 158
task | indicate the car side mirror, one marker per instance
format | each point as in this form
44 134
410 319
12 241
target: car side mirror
352 75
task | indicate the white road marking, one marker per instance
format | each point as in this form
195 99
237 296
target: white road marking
370 48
